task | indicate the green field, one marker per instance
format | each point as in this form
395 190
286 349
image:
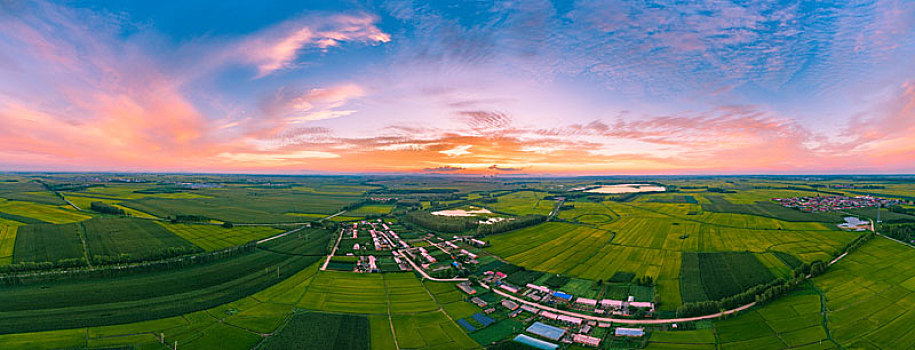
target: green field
48 242
714 276
140 239
215 237
870 296
522 203
151 295
321 331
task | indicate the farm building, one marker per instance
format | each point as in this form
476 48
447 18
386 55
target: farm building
479 302
541 289
549 315
563 296
509 288
569 319
530 309
642 305
534 342
546 331
477 242
610 303
585 301
629 332
511 305
586 340
466 288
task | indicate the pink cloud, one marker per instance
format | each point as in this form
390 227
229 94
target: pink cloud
277 48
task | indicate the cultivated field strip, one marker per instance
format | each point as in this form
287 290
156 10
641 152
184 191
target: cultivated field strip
215 237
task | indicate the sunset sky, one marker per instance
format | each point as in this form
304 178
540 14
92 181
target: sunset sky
484 87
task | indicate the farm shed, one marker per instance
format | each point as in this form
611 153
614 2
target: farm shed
629 332
562 295
586 340
466 288
541 289
509 288
511 305
586 301
610 303
535 343
546 331
569 319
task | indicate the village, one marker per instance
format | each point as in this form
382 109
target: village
833 203
374 246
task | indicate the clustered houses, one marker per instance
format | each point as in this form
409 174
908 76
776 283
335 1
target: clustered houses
545 295
832 203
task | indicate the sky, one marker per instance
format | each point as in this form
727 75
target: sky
472 87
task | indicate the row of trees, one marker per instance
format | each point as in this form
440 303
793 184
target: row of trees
509 225
10 278
106 209
902 232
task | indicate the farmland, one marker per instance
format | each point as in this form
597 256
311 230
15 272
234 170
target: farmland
320 331
214 237
155 294
666 248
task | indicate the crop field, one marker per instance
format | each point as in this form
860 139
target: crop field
85 203
7 242
794 321
767 209
713 276
40 212
523 203
869 296
137 237
143 296
215 237
417 320
48 242
370 209
320 331
588 213
243 205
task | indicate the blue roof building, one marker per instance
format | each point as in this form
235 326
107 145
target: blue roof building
546 331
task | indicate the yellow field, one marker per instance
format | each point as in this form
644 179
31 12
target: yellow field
43 212
7 242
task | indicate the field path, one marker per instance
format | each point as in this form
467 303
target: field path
280 235
332 252
335 215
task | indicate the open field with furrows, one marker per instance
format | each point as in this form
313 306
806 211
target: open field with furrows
29 213
151 295
215 237
522 203
869 296
137 237
794 321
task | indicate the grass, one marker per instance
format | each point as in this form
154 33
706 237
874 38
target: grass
788 322
139 238
215 237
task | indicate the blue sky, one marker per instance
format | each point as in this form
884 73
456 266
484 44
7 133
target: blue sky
588 87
